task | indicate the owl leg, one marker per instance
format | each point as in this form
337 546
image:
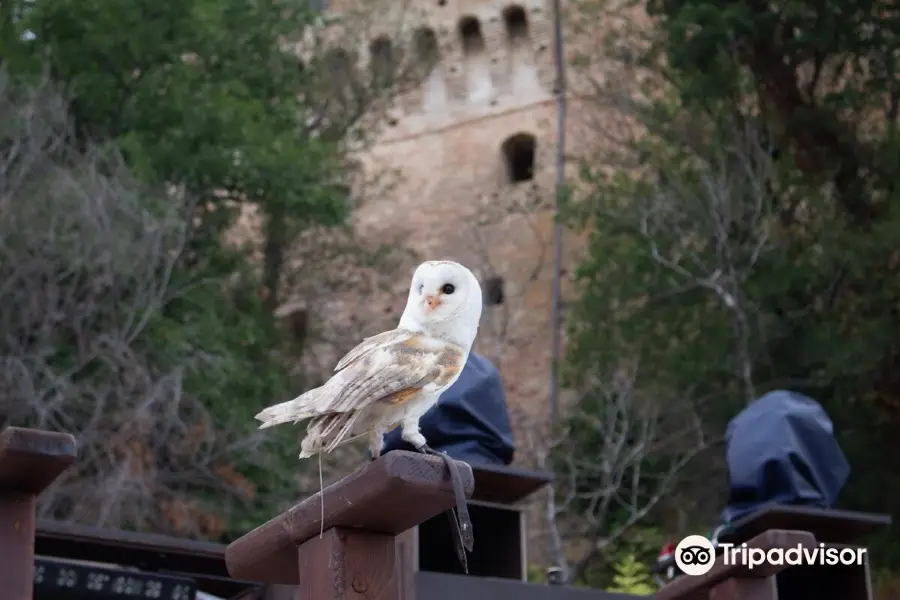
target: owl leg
426 449
411 435
376 442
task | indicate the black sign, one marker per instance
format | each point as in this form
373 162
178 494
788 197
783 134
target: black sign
60 580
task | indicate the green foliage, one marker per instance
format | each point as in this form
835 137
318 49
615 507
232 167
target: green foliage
199 93
825 76
537 574
632 577
211 96
635 548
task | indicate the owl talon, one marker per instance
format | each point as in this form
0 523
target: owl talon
426 449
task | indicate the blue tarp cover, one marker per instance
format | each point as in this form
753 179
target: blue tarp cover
781 449
471 421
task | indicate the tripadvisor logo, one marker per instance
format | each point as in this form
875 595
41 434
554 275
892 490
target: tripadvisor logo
695 555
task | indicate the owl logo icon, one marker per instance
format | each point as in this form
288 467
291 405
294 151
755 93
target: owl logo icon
695 555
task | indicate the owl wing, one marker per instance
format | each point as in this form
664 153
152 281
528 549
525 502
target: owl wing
395 371
373 343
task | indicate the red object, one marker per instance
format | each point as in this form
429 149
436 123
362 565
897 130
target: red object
667 551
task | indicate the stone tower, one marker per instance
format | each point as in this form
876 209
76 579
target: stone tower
475 145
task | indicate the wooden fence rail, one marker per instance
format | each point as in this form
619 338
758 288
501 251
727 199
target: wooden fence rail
352 553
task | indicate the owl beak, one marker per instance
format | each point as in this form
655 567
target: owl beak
431 302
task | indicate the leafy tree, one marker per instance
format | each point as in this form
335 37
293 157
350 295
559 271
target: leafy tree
742 219
238 102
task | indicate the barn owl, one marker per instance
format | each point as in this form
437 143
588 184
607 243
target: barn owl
396 376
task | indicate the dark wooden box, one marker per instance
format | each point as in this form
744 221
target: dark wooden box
498 520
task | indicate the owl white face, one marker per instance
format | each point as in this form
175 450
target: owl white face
442 291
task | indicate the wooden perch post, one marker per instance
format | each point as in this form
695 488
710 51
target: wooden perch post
364 512
30 460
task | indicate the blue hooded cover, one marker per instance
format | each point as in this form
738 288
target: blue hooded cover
471 421
781 449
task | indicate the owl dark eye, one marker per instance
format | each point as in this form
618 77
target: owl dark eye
420 288
448 289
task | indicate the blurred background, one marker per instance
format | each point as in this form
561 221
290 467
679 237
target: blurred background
674 208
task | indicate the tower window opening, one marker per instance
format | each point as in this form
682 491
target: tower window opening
516 23
381 52
493 289
518 152
471 36
426 45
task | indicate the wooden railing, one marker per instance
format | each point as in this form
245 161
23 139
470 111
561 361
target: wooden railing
354 552
356 558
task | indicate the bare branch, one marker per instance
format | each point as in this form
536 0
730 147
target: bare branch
639 445
86 259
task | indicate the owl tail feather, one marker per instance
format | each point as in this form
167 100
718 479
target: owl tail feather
327 432
291 411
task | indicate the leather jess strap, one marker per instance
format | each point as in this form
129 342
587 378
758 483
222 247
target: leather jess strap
460 522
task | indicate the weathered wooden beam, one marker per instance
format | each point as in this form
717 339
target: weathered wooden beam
763 588
827 524
30 460
364 512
